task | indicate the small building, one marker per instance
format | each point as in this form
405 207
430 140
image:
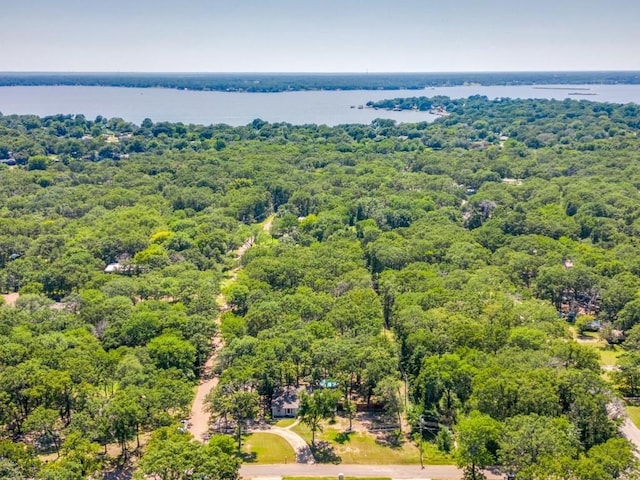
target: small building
285 402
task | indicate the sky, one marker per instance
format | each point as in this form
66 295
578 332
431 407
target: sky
319 35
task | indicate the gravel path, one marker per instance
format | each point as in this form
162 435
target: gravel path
199 419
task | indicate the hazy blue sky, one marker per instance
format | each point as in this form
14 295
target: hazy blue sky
319 35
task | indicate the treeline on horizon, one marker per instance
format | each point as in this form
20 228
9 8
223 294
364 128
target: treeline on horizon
281 82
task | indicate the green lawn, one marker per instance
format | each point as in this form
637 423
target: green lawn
592 335
609 355
634 414
268 448
285 422
302 430
362 448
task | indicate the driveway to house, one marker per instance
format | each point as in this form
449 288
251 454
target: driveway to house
275 472
199 419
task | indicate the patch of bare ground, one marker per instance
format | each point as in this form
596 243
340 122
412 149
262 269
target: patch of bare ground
11 298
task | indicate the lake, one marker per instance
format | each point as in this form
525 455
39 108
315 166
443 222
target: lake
320 107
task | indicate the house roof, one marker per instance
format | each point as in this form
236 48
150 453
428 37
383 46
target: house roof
286 398
326 383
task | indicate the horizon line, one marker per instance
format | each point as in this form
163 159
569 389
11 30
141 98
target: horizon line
149 72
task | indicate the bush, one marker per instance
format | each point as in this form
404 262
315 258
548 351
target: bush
444 440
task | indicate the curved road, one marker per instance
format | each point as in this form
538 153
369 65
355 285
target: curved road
632 433
440 472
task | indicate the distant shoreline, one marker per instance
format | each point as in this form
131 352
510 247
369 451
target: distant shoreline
561 88
290 82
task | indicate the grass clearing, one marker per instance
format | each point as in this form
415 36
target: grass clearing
634 414
226 283
608 357
364 448
608 353
285 422
304 431
589 335
268 448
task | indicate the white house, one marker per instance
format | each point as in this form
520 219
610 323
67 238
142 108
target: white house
285 403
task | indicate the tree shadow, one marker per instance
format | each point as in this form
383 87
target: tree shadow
249 457
323 453
304 455
117 471
390 439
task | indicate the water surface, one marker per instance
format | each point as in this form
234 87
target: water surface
232 108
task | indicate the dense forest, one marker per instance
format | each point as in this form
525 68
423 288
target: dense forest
282 82
435 272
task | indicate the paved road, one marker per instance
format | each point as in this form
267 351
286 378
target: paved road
439 472
631 433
